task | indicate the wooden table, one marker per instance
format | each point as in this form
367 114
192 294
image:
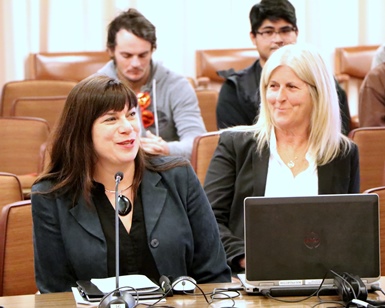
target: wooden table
66 300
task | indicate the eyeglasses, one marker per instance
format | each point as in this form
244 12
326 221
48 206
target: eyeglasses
144 101
283 32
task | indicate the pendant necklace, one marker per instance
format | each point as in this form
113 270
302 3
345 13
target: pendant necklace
124 204
291 163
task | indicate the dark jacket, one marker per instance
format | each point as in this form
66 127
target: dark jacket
182 233
239 99
237 171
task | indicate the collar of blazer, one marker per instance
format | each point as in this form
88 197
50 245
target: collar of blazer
153 195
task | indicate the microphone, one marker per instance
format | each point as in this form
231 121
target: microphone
118 177
117 299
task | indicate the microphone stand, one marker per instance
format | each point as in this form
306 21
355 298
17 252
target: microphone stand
118 178
116 299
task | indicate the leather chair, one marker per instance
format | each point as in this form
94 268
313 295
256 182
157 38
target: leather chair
209 61
203 150
10 189
73 66
371 148
351 64
17 275
46 107
31 88
207 99
380 191
21 139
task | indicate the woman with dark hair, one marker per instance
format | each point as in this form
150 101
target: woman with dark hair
166 223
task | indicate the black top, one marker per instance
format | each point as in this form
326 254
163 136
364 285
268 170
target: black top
135 256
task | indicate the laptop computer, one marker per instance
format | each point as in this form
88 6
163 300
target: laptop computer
293 243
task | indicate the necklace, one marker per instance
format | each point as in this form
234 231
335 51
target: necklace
124 204
113 191
291 163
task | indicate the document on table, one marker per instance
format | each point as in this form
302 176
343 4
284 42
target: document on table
140 283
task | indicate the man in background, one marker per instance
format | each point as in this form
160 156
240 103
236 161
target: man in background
273 25
167 102
371 102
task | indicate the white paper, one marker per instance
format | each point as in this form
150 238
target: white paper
80 301
140 283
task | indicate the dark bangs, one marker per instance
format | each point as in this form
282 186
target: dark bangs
272 10
115 97
89 100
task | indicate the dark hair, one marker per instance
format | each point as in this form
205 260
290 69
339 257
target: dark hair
133 22
271 10
72 153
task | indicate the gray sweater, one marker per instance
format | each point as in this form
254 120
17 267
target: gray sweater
179 116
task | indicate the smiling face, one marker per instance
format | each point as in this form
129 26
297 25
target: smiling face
115 136
132 56
289 100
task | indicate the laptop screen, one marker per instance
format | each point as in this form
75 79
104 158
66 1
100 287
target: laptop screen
303 238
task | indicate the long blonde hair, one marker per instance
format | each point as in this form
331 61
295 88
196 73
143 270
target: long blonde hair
326 140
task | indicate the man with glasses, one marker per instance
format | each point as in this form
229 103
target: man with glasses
273 25
167 103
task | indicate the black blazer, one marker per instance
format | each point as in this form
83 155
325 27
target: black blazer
237 171
183 236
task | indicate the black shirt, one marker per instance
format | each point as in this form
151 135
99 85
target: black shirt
135 256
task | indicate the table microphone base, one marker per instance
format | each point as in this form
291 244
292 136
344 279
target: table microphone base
120 299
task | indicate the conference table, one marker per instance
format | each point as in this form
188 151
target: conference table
66 300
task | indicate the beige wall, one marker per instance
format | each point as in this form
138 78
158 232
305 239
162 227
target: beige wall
182 27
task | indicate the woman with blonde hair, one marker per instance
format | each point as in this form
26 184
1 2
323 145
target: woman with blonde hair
295 148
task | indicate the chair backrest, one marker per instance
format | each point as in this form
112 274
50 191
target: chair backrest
10 189
380 191
20 142
48 108
16 250
203 149
351 64
209 61
26 88
371 147
73 66
207 99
